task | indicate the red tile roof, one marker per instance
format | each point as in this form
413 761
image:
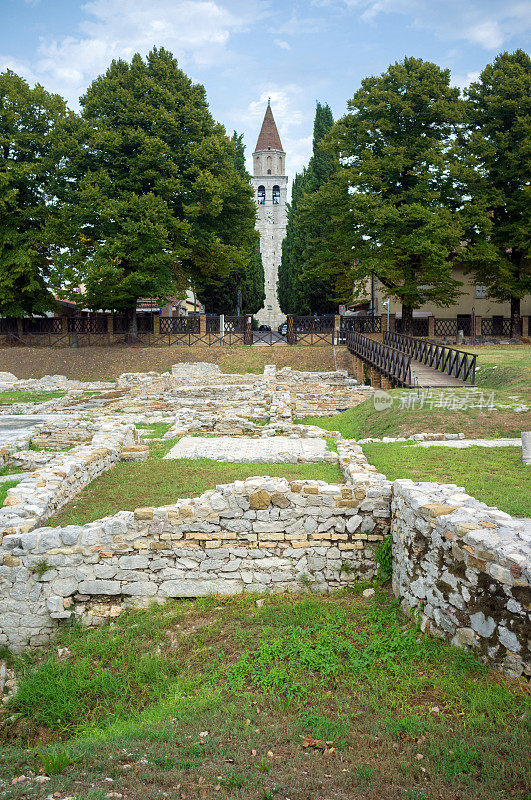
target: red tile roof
269 138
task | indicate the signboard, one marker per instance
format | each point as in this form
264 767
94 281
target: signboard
481 291
342 309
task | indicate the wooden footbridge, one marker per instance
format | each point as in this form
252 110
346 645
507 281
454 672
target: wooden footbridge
401 360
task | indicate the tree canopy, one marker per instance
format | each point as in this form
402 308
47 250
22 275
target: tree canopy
220 295
497 142
29 119
395 208
298 293
151 195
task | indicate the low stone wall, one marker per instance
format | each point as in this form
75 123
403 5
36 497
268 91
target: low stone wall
262 534
64 433
466 568
38 495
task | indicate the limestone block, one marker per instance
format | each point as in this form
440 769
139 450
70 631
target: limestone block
100 587
140 589
259 500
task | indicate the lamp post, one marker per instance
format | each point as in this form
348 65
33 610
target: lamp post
386 303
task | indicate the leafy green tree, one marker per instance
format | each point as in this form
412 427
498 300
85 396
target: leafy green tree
221 296
300 292
498 139
28 123
152 198
289 290
395 208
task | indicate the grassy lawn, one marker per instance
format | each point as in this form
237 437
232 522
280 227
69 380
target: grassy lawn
306 697
499 367
10 471
153 430
22 396
402 419
3 490
154 482
473 468
106 363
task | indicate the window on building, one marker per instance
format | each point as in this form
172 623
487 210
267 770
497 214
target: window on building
276 195
261 195
269 172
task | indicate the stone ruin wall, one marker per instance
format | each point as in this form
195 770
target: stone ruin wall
466 569
40 493
262 534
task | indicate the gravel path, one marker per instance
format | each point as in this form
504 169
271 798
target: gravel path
461 443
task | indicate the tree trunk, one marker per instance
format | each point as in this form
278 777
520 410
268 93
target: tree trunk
515 317
132 328
407 320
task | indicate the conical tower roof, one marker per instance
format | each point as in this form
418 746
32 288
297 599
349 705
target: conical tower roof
269 138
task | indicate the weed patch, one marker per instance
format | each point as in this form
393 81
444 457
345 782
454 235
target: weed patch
304 696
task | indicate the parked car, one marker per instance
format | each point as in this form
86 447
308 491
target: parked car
283 328
264 329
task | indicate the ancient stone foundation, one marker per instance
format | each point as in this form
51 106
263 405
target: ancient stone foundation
466 568
262 534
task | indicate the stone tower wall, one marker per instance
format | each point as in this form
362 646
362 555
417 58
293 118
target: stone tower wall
271 224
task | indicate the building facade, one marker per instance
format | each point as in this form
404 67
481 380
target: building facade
473 299
270 184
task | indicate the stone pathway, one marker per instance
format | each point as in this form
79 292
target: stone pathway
14 426
242 449
461 443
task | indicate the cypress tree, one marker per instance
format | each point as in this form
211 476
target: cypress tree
289 290
297 294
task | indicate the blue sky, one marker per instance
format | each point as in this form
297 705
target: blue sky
244 51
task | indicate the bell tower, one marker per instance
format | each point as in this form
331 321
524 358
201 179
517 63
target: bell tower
270 187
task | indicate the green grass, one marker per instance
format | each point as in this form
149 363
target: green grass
440 412
154 430
11 471
304 697
3 490
473 467
155 482
22 396
503 367
331 444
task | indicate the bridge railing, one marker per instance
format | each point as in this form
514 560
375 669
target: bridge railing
446 359
391 362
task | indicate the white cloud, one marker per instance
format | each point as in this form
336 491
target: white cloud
292 116
488 34
198 32
282 44
297 24
20 67
487 23
464 80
